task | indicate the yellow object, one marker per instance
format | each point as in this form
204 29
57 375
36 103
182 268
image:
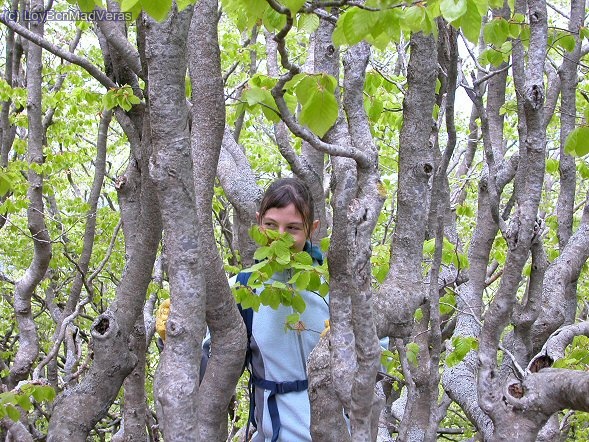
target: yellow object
161 317
326 329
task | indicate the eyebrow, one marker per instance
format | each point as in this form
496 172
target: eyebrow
267 218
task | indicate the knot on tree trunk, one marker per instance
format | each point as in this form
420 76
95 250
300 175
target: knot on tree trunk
174 328
424 169
104 326
535 96
516 390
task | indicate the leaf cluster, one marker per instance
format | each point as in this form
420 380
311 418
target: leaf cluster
313 93
122 96
11 401
275 255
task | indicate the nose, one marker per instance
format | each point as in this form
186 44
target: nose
281 229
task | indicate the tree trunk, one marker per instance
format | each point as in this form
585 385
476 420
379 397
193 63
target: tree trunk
25 287
176 384
228 335
402 291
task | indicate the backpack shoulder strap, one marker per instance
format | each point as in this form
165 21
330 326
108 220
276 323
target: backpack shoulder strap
247 314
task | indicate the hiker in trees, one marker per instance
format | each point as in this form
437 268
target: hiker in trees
277 355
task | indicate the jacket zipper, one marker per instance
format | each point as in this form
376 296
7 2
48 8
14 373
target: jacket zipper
299 337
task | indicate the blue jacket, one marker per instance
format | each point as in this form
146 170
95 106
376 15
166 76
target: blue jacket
279 354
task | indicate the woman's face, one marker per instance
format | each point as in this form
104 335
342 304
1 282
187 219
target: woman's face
286 219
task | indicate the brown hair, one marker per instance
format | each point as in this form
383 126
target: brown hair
285 191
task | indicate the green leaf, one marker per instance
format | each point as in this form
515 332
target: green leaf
305 88
127 5
453 9
374 108
471 22
257 235
108 100
414 17
412 352
514 30
273 20
183 4
252 302
279 285
314 281
281 251
293 5
338 36
429 246
298 303
349 27
418 315
566 41
320 111
24 402
496 31
133 99
391 20
262 253
12 412
5 184
323 289
254 95
448 303
583 169
293 318
464 210
270 296
462 346
494 56
303 280
86 5
381 272
577 143
308 23
324 244
519 17
303 258
552 166
256 267
157 9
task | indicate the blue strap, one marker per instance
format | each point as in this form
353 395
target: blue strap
314 251
278 388
248 315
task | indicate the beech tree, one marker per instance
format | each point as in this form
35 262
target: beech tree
444 143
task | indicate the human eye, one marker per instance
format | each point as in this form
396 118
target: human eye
269 225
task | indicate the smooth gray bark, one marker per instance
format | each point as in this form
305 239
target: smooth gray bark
24 288
228 334
402 291
171 170
239 183
519 237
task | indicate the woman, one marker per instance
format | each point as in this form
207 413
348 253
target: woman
278 361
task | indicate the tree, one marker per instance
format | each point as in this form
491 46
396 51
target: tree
458 236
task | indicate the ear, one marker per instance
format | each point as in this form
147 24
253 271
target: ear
258 217
314 226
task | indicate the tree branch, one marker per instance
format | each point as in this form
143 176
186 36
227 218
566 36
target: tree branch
84 63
